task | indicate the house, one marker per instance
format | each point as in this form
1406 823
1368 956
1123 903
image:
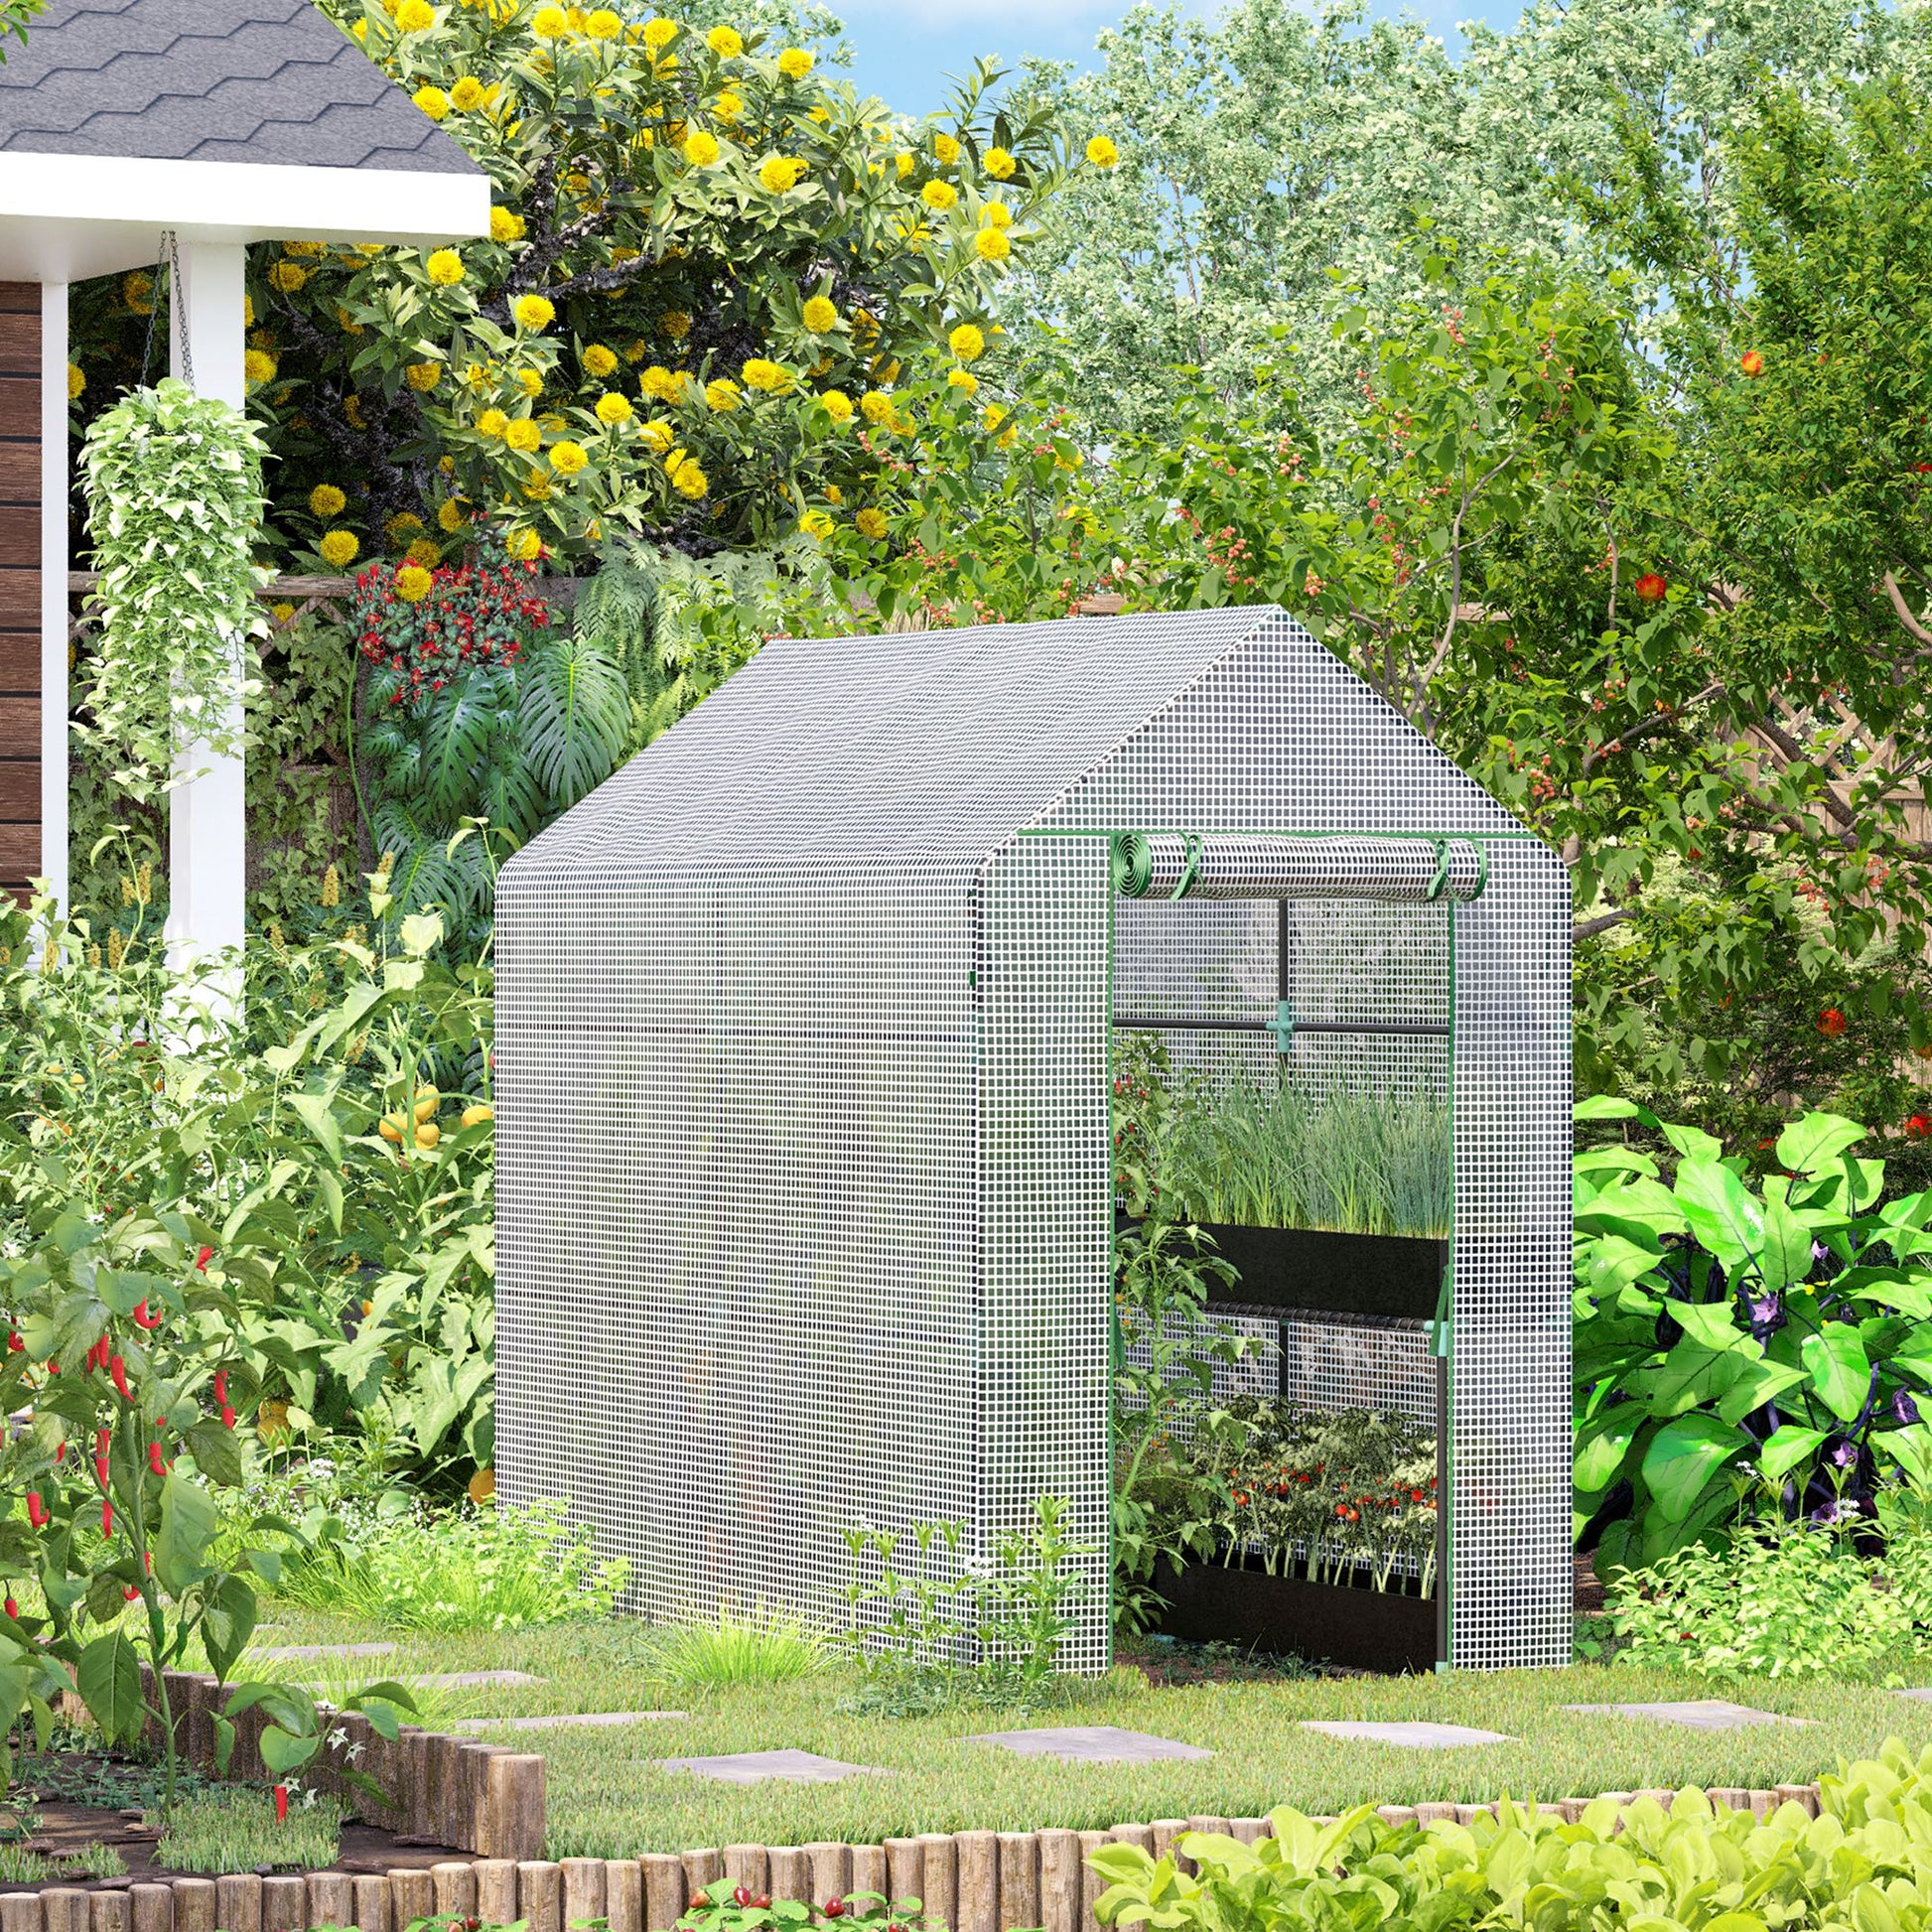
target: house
131 130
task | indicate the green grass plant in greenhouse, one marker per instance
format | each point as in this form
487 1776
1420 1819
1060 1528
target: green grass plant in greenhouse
1260 1155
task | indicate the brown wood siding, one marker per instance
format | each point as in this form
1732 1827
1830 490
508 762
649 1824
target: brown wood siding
20 583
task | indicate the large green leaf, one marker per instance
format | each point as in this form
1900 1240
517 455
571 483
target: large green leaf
188 1520
1721 1211
108 1678
1816 1141
229 1623
575 710
1786 1253
1683 1459
1602 1444
283 1752
1785 1448
1841 1371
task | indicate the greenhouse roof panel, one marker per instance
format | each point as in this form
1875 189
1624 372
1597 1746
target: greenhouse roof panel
932 744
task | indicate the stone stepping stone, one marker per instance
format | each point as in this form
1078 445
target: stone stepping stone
1415 1737
558 1721
753 1767
1091 1744
1922 1692
1696 1714
287 1652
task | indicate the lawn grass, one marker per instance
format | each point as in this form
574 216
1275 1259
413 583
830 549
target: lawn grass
608 1798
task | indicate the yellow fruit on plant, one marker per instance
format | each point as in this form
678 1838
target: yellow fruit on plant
427 1137
427 1102
482 1487
473 1116
391 1128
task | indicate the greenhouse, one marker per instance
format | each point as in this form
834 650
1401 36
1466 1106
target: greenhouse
809 1025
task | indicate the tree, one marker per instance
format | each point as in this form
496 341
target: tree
707 265
1276 148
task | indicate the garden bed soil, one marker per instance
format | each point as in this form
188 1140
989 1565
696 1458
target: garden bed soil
52 1825
1333 1623
1383 1276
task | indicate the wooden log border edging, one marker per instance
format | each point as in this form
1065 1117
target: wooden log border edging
971 1881
445 1790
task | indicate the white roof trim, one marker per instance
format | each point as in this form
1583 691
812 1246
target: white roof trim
64 217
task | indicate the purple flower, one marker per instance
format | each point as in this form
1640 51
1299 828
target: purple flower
1818 1252
1766 1312
1833 1513
1903 1407
1845 1455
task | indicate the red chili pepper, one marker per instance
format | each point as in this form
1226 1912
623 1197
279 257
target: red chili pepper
13 1608
202 1259
15 1347
221 1385
155 1463
53 1368
142 1319
107 1519
129 1591
281 1804
36 1509
100 1471
118 1370
102 1438
227 1417
60 1451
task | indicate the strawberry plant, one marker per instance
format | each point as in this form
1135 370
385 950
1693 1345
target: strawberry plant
728 1906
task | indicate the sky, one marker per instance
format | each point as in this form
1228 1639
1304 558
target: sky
903 49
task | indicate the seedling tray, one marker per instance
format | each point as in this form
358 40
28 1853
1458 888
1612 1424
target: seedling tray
1336 1624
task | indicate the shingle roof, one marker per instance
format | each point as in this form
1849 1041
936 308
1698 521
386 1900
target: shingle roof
259 81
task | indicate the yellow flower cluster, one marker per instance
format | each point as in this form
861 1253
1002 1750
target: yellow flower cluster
778 174
325 500
444 268
796 64
721 394
433 101
598 360
423 376
505 224
760 373
701 149
413 583
870 523
533 311
613 407
338 549
821 315
966 343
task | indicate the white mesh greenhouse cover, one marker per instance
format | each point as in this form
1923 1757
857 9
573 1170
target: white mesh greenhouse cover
804 1200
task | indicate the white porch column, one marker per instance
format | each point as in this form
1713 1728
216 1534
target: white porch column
54 591
206 829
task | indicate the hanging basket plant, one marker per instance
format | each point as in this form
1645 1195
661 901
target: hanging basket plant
174 489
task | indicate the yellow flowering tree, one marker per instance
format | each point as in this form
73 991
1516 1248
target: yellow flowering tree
709 265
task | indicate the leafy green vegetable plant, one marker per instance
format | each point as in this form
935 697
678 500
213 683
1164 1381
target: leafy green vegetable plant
727 1907
1732 1336
1864 1864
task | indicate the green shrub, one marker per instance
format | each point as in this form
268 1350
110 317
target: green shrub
469 1569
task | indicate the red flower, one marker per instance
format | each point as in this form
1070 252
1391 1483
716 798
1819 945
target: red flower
1752 362
1652 588
1831 1023
1920 1126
